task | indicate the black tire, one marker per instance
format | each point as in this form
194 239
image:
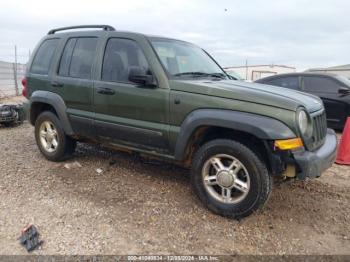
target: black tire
66 145
8 124
260 180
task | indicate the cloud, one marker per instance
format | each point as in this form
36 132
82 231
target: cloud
300 33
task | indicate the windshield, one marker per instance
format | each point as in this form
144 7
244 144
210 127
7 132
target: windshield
235 75
183 59
344 80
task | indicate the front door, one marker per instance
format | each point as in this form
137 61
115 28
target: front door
327 89
127 113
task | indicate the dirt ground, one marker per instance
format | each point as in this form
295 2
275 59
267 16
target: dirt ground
136 207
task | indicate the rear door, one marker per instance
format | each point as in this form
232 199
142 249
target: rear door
73 82
127 113
327 88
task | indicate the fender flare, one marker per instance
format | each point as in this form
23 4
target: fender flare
57 103
265 128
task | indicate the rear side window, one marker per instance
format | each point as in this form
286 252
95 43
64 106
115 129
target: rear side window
120 55
320 84
43 58
291 82
78 57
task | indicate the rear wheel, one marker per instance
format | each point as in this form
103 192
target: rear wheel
229 178
53 143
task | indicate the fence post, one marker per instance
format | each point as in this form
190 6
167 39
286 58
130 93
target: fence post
15 72
15 78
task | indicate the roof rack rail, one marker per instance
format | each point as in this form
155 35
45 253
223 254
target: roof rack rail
104 27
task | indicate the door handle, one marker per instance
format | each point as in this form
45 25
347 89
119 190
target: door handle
56 84
105 91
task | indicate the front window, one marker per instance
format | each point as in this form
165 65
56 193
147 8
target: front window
183 59
120 55
319 84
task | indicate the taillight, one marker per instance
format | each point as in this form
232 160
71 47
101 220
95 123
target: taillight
24 83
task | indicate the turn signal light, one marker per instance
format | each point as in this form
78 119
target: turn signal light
288 144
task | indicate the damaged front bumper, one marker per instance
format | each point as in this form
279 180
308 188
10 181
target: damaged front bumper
11 113
7 114
313 164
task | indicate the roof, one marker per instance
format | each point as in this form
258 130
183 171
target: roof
271 65
105 28
332 68
340 67
299 74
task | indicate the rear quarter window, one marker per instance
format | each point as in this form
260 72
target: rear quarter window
43 57
291 82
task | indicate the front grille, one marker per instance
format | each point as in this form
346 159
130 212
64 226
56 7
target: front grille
6 119
319 122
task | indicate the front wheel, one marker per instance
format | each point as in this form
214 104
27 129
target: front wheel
229 178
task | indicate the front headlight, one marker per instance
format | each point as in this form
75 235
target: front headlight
302 121
304 124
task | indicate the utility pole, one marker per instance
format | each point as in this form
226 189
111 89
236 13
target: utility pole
246 69
15 72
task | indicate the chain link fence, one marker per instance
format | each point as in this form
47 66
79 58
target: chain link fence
11 75
13 61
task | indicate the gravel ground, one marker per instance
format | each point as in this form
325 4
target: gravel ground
137 207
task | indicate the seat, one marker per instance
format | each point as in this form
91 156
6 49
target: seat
172 65
114 68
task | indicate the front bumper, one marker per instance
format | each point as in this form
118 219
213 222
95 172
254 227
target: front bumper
313 164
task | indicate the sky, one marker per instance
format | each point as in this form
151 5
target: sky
300 33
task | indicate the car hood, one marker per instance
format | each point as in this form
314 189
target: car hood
251 92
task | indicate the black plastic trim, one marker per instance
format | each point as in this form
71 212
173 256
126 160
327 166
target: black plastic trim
57 103
312 164
104 27
83 126
135 135
262 127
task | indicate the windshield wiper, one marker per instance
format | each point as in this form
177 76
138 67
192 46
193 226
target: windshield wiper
191 73
220 75
199 74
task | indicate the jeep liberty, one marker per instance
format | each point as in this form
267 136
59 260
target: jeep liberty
170 99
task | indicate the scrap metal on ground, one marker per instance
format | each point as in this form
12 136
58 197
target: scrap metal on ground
11 114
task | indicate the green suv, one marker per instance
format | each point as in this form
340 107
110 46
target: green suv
170 99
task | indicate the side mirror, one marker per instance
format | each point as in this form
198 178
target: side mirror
343 91
140 76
